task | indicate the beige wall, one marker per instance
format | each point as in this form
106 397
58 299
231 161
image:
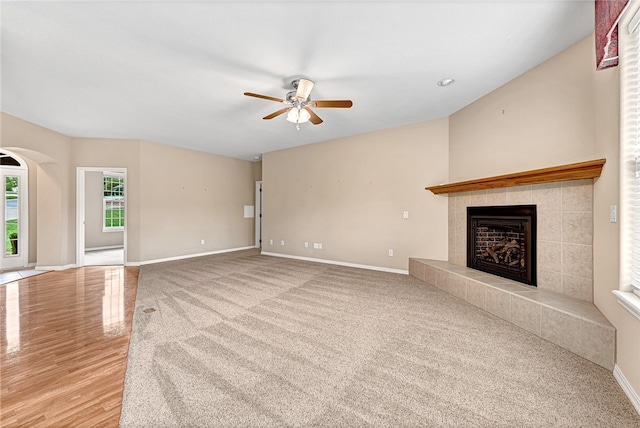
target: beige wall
209 194
562 111
350 194
187 196
543 118
257 171
94 236
114 153
48 155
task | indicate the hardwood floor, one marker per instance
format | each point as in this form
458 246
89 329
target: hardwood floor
65 338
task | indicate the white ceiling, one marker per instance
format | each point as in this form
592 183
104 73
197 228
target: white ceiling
175 72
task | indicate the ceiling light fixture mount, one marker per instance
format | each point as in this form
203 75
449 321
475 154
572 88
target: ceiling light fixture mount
446 82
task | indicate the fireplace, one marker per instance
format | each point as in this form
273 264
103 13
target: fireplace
501 240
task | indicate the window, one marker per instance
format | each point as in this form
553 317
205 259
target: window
631 151
11 206
14 214
113 203
629 295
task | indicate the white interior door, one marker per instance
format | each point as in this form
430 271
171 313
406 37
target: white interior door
15 216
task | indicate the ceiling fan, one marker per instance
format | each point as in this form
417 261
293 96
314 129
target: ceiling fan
299 103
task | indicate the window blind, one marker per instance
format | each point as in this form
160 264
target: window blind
630 154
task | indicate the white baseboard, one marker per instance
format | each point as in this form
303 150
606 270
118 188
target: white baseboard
229 250
112 247
62 267
334 262
627 388
149 262
187 256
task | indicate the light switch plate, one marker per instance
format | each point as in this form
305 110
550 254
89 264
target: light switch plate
613 213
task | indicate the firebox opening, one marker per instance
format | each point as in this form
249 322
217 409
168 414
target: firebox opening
502 241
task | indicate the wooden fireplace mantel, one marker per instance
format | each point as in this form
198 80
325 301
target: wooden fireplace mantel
574 171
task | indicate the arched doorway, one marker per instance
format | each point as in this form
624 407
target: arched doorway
15 215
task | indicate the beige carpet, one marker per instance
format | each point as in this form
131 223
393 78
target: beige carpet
242 339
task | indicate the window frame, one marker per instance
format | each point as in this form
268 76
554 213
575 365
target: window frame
120 201
628 294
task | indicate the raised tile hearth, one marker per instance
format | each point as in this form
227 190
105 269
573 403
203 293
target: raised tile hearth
570 323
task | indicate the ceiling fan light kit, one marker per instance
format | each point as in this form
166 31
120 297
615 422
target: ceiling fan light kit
297 116
299 103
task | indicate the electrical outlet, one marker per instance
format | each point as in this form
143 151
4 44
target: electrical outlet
270 241
306 245
390 253
405 214
319 245
282 242
315 245
202 242
613 214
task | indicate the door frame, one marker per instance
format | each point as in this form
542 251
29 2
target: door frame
80 209
258 228
21 171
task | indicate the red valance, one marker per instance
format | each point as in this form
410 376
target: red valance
607 15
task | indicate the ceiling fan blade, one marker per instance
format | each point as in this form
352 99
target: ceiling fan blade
314 117
333 103
277 113
304 89
264 97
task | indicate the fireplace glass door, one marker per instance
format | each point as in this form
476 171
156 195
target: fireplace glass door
501 241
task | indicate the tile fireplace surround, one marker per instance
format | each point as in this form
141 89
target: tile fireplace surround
560 308
565 231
